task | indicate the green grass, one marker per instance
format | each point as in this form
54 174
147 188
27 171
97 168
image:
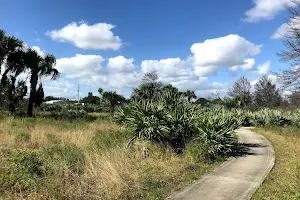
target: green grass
283 182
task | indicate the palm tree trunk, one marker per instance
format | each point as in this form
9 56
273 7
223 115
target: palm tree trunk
32 96
11 89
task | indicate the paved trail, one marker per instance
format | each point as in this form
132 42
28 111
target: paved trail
238 178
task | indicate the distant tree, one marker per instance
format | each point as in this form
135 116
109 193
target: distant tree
291 39
190 95
150 88
294 98
266 94
100 91
13 93
170 88
114 99
50 98
91 99
241 93
202 101
240 87
150 77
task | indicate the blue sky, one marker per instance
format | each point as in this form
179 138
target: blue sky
200 45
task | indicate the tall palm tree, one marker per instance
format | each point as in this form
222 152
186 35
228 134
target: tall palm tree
11 51
38 67
190 95
11 58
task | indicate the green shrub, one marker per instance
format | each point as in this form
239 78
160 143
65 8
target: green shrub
172 120
169 120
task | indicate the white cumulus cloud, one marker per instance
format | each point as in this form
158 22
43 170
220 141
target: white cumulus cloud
80 65
249 64
120 64
229 51
119 73
89 69
84 36
264 69
266 9
169 67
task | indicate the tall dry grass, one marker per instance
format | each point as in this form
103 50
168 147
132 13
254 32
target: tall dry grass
109 169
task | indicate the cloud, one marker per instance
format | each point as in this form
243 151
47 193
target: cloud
170 67
284 29
249 64
90 70
59 88
266 9
274 79
200 85
112 81
264 69
230 51
120 64
180 74
119 73
84 36
39 51
80 65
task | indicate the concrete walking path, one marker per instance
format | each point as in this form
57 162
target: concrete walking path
239 177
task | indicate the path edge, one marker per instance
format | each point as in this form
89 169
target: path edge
250 192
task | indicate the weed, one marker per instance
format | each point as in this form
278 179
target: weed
58 156
23 171
23 137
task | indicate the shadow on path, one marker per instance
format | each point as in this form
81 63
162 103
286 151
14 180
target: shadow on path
245 149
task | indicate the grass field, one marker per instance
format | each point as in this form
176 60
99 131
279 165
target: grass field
283 182
43 158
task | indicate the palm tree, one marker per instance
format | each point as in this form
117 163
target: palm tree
100 90
38 67
11 54
11 57
190 95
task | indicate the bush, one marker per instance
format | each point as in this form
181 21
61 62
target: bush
172 120
169 120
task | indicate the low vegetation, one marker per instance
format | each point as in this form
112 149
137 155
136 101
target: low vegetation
145 147
56 159
283 182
